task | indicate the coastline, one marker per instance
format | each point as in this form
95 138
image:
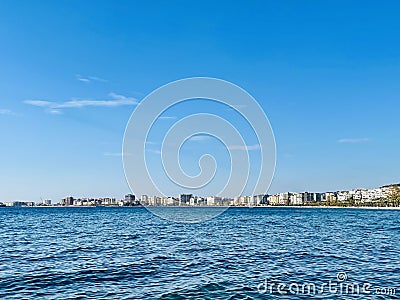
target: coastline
224 207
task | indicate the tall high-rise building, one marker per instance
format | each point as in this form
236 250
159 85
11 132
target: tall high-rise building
129 198
68 201
185 199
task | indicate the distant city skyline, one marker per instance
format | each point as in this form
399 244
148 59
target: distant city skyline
360 195
386 196
326 75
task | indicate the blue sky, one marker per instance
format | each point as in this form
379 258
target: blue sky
325 72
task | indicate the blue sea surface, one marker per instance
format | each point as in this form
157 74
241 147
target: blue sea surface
128 253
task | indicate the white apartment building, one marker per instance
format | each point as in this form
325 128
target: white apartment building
296 199
214 200
144 199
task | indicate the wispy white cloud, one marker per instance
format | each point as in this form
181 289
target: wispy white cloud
118 154
167 118
83 79
54 111
98 79
354 140
6 112
153 151
244 148
39 103
56 107
89 78
200 138
83 103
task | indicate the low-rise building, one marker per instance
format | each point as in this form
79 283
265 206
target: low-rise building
331 197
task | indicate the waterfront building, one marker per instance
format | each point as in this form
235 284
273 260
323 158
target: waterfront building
251 201
284 198
343 195
245 200
259 200
311 197
214 200
236 201
151 200
144 199
273 199
164 201
357 195
317 197
154 201
108 201
19 204
240 201
296 199
330 197
185 199
201 201
130 198
227 201
193 201
47 202
172 201
67 201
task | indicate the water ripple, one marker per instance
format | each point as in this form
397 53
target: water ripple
127 253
